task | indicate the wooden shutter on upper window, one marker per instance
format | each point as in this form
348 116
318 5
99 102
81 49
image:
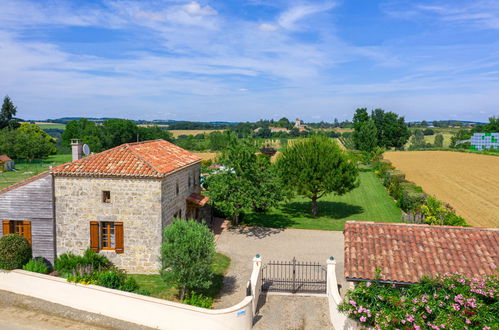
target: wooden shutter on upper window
27 230
6 227
94 235
118 232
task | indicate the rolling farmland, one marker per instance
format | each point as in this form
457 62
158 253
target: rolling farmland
468 182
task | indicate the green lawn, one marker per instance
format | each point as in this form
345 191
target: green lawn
26 169
160 289
369 202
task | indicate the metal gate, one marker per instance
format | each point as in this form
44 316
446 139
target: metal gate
294 276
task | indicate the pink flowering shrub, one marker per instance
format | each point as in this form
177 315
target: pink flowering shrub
448 301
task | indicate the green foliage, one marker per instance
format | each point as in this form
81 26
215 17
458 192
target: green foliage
15 251
115 278
315 167
187 255
428 131
245 181
438 213
7 114
448 301
67 262
27 142
37 265
111 133
439 141
367 137
198 300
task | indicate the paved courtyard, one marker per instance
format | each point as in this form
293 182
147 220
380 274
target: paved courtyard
243 243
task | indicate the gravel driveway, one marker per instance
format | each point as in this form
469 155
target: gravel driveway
243 243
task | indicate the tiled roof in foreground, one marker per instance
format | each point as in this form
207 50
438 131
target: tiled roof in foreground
148 159
406 252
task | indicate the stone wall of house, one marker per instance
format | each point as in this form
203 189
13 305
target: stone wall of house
172 202
135 202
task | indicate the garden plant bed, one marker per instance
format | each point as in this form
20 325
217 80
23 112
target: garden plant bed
158 288
368 202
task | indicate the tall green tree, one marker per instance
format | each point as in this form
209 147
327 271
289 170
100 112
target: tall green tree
439 141
417 139
246 180
315 167
367 137
119 131
187 255
7 114
27 142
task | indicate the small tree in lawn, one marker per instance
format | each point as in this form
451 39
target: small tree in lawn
187 255
315 167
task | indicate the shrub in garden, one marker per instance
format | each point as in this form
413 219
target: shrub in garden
187 255
198 300
15 251
115 278
67 262
448 301
438 213
37 265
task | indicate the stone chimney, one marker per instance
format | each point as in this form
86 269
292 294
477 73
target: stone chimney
76 149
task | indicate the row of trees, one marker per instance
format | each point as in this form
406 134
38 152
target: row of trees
111 133
311 167
22 141
380 129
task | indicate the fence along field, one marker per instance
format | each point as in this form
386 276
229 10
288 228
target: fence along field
468 182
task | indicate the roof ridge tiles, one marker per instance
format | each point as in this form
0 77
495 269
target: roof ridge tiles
127 146
419 225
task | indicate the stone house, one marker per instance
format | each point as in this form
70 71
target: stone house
117 202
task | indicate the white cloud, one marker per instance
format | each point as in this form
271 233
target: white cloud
195 8
267 27
292 16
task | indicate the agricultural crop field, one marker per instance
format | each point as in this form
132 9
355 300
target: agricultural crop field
177 132
206 155
468 182
44 125
431 139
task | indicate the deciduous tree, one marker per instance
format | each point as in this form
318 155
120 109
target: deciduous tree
315 167
187 255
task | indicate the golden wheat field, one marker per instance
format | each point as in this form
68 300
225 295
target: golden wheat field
177 132
206 155
468 182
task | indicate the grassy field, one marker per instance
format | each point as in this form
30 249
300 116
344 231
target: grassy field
177 132
163 290
51 125
25 169
368 202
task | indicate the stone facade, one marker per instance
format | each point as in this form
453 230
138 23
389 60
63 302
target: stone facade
145 206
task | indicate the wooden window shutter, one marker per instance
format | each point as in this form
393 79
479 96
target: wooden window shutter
27 230
6 227
118 232
94 236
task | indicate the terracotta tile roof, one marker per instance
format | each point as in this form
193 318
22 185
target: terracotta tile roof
4 158
406 252
24 182
148 159
198 199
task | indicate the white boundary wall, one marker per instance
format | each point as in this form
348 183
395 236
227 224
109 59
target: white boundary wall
338 319
143 310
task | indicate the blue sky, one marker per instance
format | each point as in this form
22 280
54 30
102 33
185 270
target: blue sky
244 60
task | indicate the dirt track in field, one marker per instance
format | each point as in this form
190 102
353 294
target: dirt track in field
468 182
